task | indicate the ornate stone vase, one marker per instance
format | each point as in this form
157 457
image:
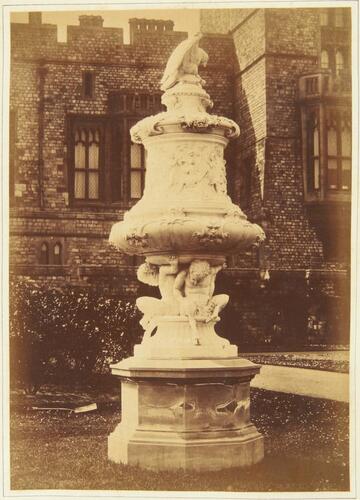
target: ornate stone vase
184 225
185 215
185 209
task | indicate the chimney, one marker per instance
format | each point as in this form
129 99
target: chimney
91 21
138 26
35 18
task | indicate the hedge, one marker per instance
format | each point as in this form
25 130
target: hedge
68 333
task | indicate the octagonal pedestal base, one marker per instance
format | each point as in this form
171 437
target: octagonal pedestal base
189 414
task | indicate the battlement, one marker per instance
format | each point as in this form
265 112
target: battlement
91 39
88 27
35 18
35 33
87 21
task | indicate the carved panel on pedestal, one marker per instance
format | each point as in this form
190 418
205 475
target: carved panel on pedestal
201 406
195 169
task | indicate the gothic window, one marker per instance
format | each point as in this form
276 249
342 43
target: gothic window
328 150
335 18
12 149
332 160
324 59
137 170
105 167
339 18
312 85
338 132
324 18
44 253
339 62
51 253
313 139
88 88
87 167
345 143
57 254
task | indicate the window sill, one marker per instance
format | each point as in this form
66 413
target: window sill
316 198
120 205
40 269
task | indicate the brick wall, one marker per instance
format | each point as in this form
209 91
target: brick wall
293 240
250 106
222 20
273 48
46 88
255 59
293 31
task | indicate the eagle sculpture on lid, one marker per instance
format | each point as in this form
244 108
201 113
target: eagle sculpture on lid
184 62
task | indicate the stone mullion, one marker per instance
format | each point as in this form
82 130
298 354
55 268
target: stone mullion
323 151
143 169
86 164
126 160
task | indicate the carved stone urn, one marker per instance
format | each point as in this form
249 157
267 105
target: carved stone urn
185 392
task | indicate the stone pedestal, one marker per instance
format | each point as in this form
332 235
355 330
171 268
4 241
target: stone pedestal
192 414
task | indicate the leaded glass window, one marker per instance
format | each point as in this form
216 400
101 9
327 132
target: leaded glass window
324 59
87 146
324 18
57 254
137 170
44 253
339 18
339 62
313 177
338 130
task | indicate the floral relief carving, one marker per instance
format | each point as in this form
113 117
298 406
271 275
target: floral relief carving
203 122
195 166
260 238
137 240
174 216
198 121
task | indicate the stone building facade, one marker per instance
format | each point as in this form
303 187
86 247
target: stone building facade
282 74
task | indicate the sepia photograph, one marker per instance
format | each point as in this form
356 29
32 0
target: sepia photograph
180 207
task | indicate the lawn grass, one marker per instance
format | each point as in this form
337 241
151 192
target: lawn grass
306 449
315 361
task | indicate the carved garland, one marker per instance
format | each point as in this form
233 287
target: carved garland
137 240
198 122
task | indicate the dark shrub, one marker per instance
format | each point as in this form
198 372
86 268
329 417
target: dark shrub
70 333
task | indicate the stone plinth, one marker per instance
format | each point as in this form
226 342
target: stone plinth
192 414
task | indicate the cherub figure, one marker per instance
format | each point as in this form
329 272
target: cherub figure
164 277
184 62
194 289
